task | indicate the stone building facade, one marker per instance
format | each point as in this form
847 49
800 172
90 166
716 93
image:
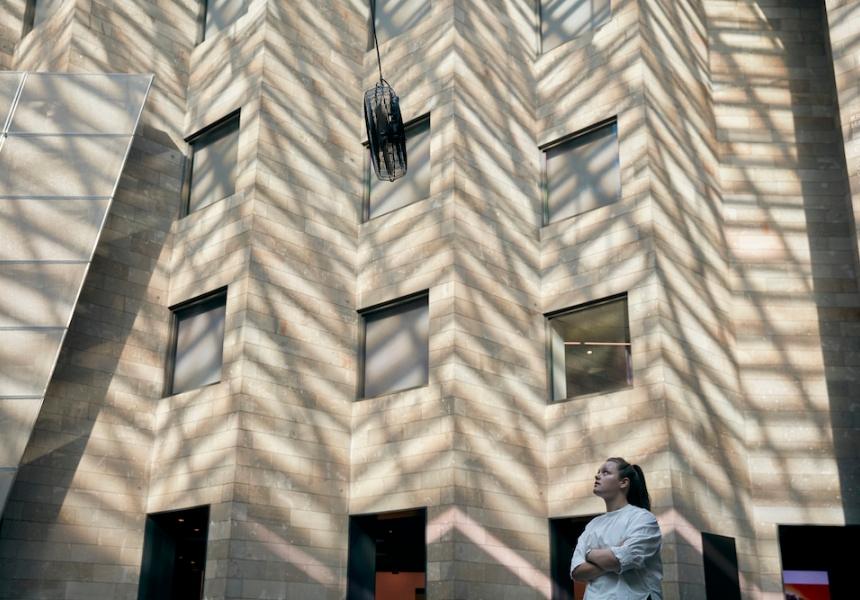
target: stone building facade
724 226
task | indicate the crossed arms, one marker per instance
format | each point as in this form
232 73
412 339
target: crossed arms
597 562
595 555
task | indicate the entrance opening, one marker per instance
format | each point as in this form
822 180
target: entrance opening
387 556
720 559
563 534
174 555
815 562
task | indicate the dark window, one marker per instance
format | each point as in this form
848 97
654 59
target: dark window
174 555
214 160
563 535
386 196
721 567
563 20
809 569
198 344
37 12
396 352
29 17
219 14
582 173
590 349
387 554
393 17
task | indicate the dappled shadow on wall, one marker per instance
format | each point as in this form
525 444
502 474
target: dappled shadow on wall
65 139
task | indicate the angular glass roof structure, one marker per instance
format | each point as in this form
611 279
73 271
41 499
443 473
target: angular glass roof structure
64 140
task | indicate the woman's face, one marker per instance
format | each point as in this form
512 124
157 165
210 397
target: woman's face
606 482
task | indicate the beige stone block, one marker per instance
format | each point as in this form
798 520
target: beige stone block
17 418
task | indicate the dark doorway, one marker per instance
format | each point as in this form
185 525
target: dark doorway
811 548
720 559
174 555
563 534
387 556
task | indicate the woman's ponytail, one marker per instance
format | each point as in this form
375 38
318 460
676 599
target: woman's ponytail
637 491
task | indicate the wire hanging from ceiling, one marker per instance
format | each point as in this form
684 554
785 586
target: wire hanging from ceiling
386 135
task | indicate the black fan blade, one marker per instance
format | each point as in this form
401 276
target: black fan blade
373 138
385 133
383 127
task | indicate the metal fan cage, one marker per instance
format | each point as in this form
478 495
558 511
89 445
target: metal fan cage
385 132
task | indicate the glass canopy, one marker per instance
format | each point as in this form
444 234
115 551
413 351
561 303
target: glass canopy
64 140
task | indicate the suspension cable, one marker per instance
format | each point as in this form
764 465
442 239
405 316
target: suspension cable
375 41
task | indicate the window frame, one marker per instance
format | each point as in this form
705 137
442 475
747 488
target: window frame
201 22
362 351
204 303
539 9
408 127
549 317
424 13
29 20
30 12
207 136
203 13
571 140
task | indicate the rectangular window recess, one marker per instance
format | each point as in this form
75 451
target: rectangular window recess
585 305
561 21
211 169
214 127
216 15
383 197
416 122
198 342
29 17
394 17
395 349
589 349
581 172
572 136
395 302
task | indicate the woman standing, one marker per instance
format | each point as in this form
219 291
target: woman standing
618 554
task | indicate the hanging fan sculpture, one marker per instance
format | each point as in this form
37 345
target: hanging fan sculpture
385 133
